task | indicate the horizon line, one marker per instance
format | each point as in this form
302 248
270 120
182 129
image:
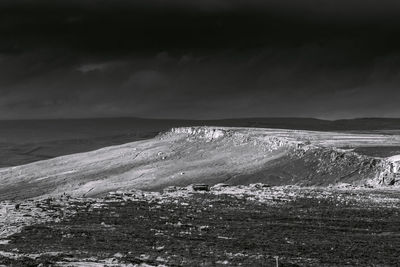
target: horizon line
202 119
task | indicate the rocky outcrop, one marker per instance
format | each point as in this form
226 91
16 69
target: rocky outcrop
389 171
207 133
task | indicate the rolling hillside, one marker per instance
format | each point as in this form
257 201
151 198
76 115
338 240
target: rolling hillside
209 155
26 141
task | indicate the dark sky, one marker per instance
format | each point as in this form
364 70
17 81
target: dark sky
199 59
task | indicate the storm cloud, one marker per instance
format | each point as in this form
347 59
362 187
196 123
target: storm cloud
199 59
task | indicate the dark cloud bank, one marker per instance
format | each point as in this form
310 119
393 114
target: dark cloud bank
199 59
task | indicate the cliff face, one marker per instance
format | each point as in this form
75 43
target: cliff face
210 155
389 171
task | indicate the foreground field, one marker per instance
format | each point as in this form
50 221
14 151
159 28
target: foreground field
231 226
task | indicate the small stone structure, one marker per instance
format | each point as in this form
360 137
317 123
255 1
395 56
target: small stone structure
201 187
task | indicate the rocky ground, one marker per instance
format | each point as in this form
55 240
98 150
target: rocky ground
254 225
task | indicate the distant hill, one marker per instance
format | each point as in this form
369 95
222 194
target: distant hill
360 124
